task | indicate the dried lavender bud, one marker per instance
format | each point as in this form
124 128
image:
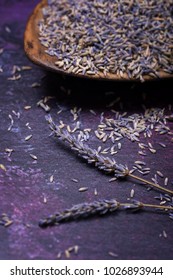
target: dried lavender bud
5 220
133 206
171 216
169 118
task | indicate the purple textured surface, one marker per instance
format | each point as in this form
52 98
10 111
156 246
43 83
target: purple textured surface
25 184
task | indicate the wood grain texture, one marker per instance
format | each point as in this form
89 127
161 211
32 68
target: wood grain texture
36 52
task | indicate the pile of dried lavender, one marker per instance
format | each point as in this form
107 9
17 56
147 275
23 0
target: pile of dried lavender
127 38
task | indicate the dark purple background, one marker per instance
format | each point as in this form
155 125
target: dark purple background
25 183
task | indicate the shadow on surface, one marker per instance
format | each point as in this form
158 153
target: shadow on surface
100 94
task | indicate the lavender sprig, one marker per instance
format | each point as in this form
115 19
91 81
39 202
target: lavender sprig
102 207
92 156
84 210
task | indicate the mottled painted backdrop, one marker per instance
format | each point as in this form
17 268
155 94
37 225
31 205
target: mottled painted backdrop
32 187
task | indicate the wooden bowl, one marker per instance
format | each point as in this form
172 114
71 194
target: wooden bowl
36 52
